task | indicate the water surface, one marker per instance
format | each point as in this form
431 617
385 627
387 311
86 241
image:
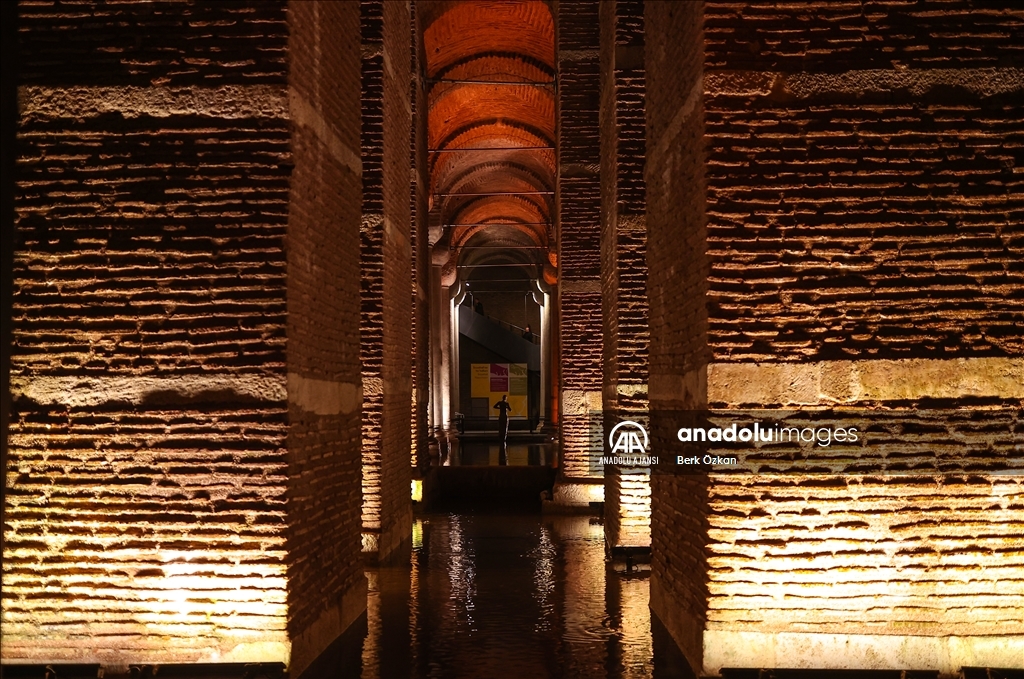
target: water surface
510 595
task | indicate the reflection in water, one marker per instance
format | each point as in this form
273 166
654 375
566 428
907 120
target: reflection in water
544 555
462 576
491 595
492 453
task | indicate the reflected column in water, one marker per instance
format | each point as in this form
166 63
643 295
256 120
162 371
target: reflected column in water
462 578
389 634
631 651
544 556
374 631
420 538
582 595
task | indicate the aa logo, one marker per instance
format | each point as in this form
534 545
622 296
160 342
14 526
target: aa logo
625 438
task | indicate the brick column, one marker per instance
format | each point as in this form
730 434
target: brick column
326 586
579 289
624 262
888 287
386 261
419 239
868 282
8 128
184 475
677 293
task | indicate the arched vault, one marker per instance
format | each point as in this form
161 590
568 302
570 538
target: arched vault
491 127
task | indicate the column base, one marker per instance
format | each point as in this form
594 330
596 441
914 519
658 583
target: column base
807 650
576 496
683 627
331 624
386 547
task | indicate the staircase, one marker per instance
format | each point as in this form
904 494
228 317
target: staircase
506 343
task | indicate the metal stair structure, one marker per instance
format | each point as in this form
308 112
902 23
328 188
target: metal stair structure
488 333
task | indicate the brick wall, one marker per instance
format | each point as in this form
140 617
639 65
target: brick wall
371 251
623 259
419 241
8 128
623 201
579 233
862 206
860 221
863 197
180 485
326 587
396 507
895 553
147 484
676 288
386 259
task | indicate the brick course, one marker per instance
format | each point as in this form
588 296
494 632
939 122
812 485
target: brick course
862 197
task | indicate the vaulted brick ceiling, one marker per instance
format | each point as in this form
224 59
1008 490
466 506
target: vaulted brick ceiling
492 164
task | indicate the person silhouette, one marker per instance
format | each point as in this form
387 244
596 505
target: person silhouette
503 407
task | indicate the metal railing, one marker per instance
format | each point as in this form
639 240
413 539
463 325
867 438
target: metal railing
512 327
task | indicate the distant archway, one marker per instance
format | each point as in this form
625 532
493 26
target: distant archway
490 73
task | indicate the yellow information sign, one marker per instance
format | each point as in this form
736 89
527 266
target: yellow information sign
481 380
494 380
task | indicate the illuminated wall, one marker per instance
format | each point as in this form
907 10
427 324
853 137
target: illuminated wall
627 493
385 276
858 251
579 233
183 483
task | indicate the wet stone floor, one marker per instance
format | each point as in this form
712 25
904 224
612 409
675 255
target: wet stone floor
507 596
